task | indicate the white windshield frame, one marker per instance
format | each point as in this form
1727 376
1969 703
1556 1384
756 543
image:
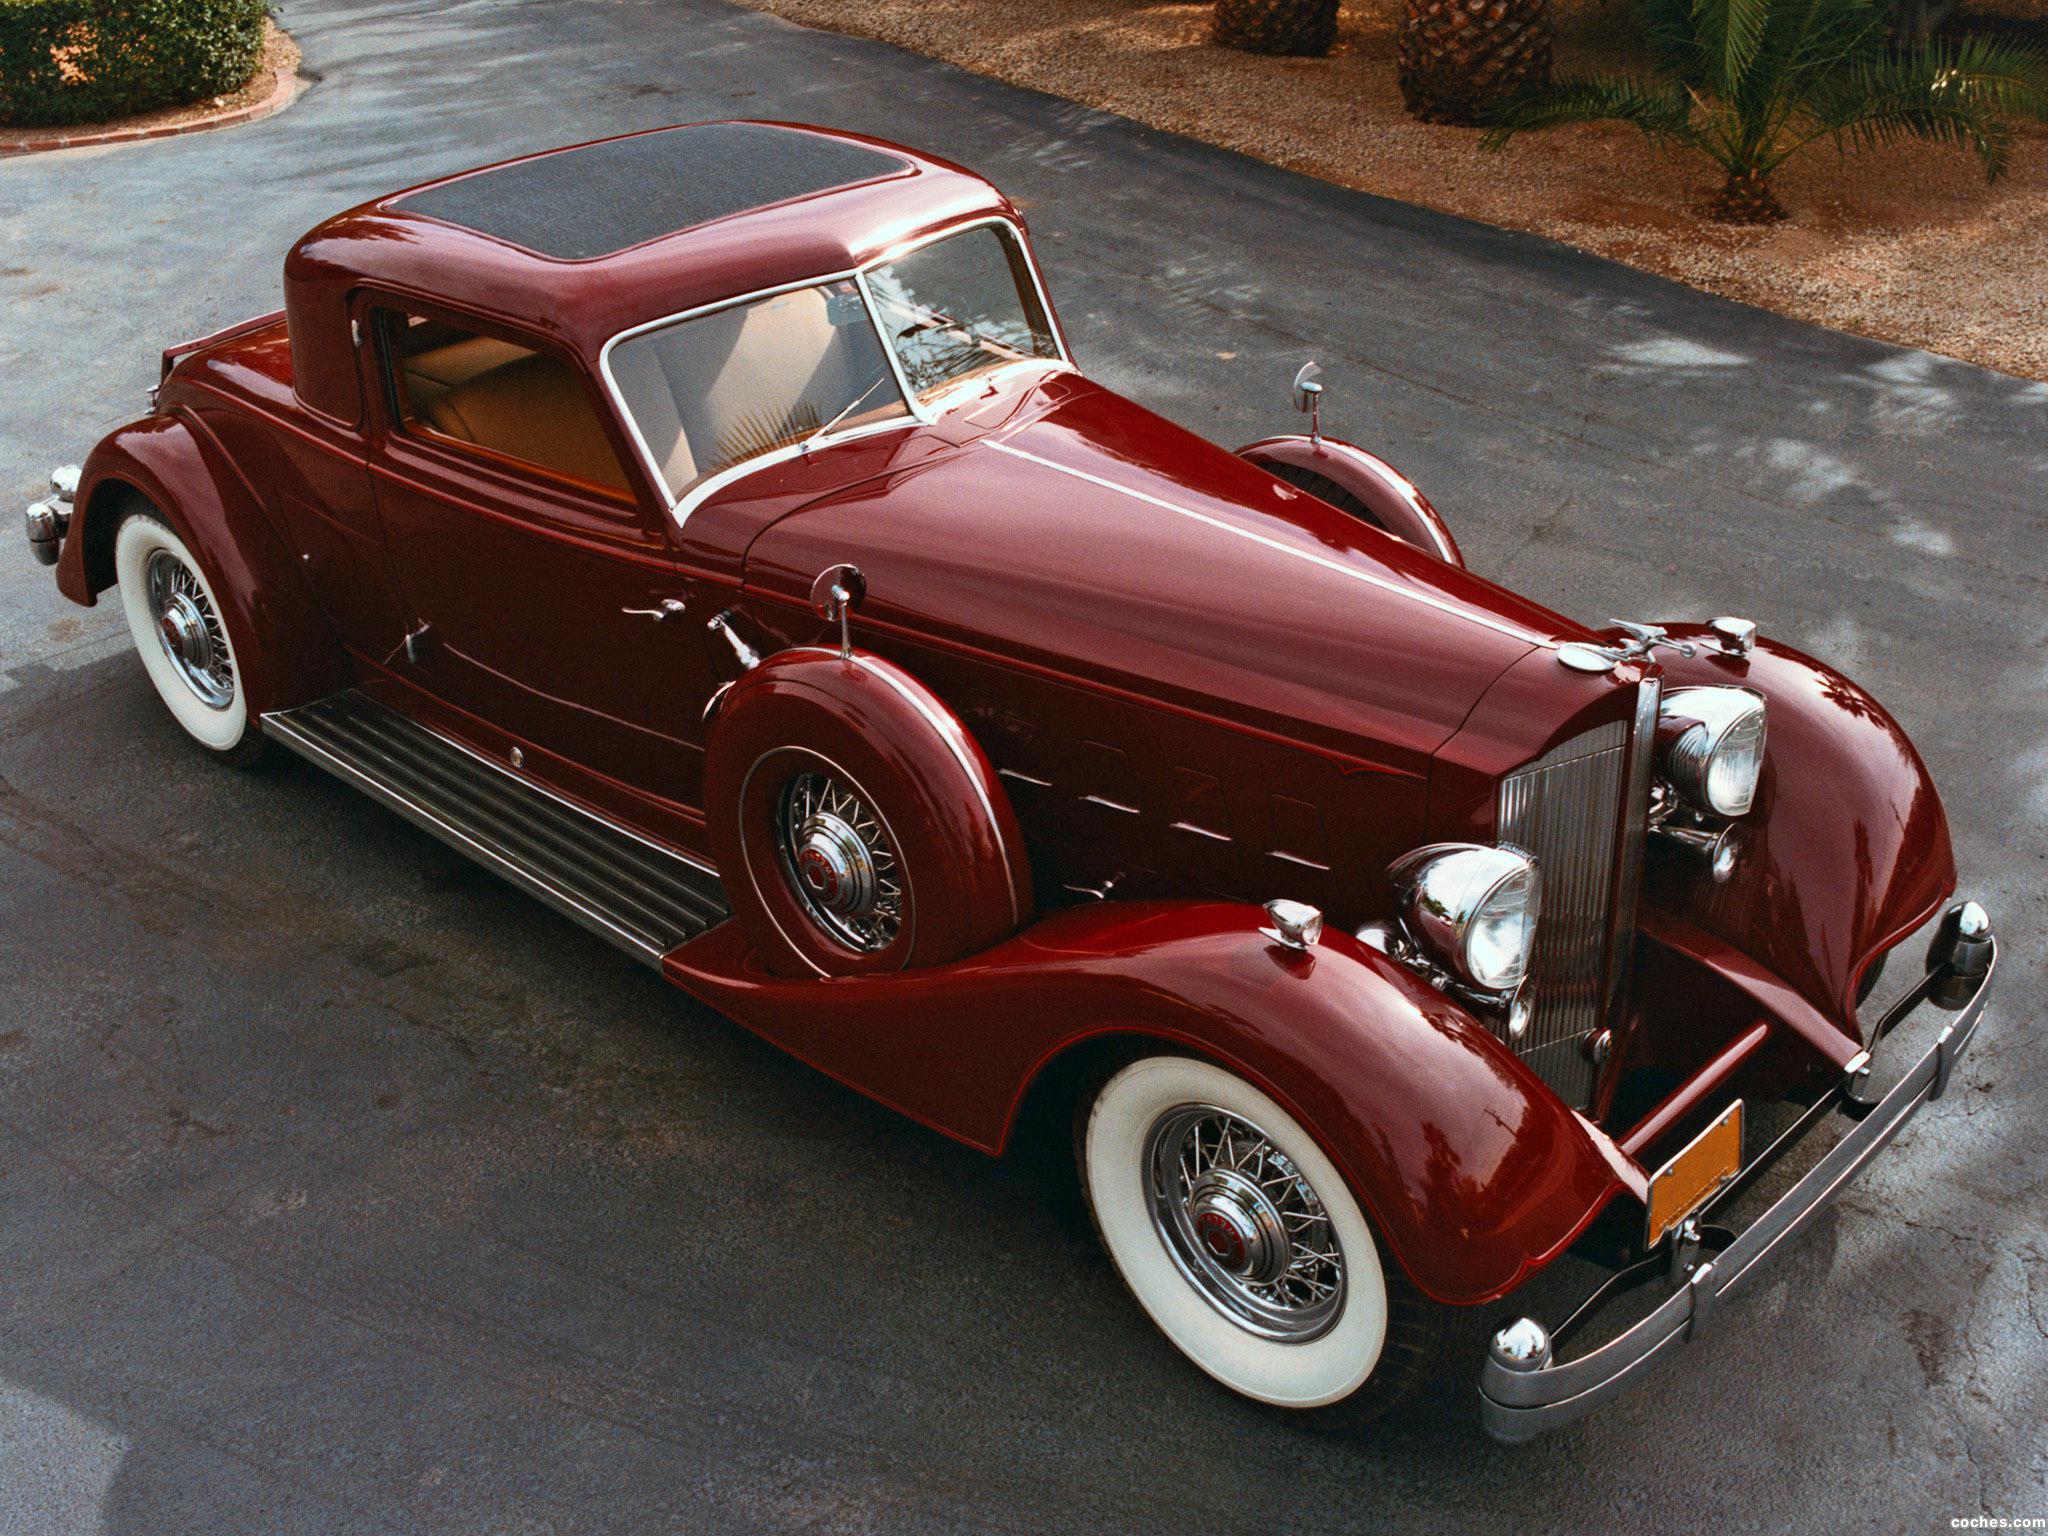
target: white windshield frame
921 412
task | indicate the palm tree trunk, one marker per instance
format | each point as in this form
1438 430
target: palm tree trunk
1276 26
1458 57
1746 199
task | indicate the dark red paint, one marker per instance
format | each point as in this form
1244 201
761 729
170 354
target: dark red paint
1203 688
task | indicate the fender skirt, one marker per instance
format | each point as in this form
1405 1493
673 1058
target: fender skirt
1475 1174
1845 852
287 651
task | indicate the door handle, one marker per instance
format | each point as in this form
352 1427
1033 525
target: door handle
670 607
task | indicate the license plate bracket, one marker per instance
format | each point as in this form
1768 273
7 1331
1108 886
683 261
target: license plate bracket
1704 1167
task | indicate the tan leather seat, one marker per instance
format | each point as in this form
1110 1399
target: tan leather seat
535 409
430 375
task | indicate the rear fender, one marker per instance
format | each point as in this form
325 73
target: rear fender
1474 1173
1845 852
286 650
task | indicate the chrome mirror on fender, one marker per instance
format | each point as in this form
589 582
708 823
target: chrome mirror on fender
839 590
1308 398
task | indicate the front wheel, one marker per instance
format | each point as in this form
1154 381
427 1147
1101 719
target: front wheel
182 637
1243 1243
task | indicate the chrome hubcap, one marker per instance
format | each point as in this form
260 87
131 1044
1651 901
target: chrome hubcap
840 863
1243 1224
190 631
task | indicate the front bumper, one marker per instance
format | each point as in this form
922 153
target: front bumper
1524 1390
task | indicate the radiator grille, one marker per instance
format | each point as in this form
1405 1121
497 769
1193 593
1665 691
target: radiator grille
1580 810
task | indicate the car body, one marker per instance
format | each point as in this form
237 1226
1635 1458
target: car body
711 531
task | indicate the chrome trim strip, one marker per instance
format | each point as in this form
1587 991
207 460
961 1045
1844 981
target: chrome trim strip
1519 1404
1110 805
1023 778
1295 858
1293 551
1189 826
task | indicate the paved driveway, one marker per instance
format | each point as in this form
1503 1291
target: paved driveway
343 1189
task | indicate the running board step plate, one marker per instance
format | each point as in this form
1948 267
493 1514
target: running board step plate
642 898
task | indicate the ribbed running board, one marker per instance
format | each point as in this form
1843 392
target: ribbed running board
643 899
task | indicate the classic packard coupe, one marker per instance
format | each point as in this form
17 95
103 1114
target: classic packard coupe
709 531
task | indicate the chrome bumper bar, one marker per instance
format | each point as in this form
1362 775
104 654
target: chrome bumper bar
1524 1390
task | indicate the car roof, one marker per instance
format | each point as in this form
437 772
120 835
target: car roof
593 200
583 242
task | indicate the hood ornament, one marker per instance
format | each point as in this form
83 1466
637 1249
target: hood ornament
1639 642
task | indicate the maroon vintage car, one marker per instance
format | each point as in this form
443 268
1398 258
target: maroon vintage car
709 531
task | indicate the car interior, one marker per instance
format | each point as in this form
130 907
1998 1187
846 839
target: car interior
497 395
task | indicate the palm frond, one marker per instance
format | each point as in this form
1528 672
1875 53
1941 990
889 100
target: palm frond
1668 27
1729 33
1886 101
2013 77
1662 110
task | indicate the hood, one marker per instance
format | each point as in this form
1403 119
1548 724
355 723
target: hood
1101 542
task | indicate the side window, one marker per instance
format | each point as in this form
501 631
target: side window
455 386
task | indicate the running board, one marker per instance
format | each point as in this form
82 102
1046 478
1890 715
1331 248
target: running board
642 898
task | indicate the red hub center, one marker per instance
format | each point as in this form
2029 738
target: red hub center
1220 1236
819 874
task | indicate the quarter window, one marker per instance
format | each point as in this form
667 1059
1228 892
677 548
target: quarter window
509 401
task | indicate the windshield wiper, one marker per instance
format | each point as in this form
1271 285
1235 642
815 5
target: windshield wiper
844 411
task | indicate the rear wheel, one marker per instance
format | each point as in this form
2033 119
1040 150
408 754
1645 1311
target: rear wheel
1243 1243
182 637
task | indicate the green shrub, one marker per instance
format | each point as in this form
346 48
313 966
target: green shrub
79 61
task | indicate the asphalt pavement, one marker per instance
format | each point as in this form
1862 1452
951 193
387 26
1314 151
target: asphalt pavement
341 1188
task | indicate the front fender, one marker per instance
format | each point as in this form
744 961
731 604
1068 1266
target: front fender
1846 850
1361 483
1474 1173
287 651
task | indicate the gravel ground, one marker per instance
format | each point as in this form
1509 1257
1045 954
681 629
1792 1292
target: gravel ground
1907 245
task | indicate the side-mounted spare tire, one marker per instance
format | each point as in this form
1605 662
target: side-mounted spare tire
857 826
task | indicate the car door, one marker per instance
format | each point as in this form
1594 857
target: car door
542 591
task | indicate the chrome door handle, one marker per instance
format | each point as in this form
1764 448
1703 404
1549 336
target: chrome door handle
670 607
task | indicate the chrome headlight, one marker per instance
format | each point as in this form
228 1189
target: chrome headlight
1713 746
1473 908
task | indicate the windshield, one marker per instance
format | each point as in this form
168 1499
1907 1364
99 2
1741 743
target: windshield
708 393
960 306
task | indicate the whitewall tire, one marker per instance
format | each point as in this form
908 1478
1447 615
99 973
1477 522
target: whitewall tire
181 634
1235 1233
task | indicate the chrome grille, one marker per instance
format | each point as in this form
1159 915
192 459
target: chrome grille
1580 810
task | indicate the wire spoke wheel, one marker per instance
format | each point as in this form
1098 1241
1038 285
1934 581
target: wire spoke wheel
839 861
1244 1224
189 630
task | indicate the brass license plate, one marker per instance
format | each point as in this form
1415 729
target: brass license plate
1708 1165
